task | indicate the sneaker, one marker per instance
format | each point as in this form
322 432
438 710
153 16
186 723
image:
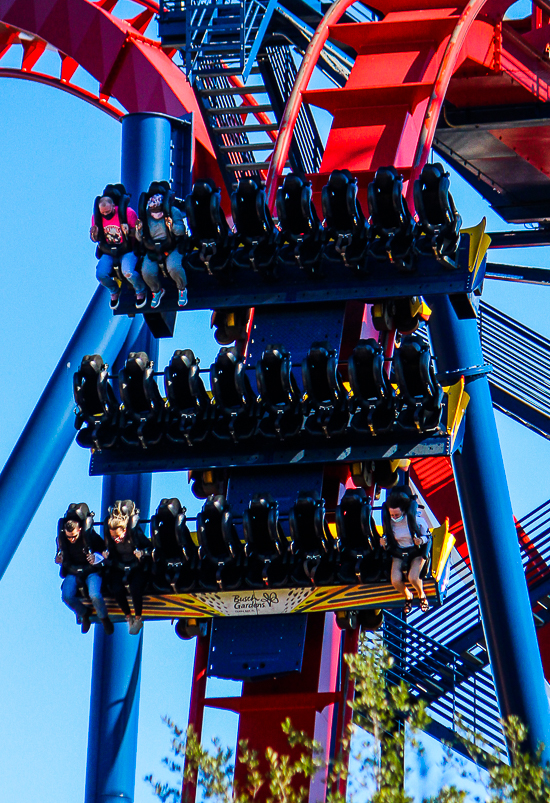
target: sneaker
115 298
141 300
157 298
108 626
135 626
182 297
85 623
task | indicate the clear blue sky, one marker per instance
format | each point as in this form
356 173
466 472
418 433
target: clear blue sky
56 153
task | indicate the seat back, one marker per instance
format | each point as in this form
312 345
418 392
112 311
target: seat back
217 537
432 200
261 527
353 522
93 394
387 207
414 372
320 376
205 216
170 535
368 380
184 387
341 209
161 188
138 389
276 384
307 524
251 214
295 210
230 385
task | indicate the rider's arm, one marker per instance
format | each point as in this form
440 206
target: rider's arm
178 224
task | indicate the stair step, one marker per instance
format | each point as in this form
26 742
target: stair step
243 129
221 111
249 166
233 90
252 146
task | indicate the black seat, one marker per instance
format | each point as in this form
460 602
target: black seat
391 231
175 555
280 398
210 243
346 226
421 394
312 545
373 399
121 199
144 409
326 398
96 404
438 227
157 248
266 546
220 551
302 237
235 402
81 513
256 233
190 409
359 555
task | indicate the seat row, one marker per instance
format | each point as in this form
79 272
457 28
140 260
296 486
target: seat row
345 236
370 403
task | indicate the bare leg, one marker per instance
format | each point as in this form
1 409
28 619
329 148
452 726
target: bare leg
397 578
417 565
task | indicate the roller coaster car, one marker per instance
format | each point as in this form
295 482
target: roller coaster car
438 227
143 408
346 227
359 553
190 409
380 473
391 223
235 405
210 243
301 238
220 551
121 199
266 546
157 248
230 325
96 404
213 481
175 555
373 399
280 398
256 233
326 399
421 395
312 547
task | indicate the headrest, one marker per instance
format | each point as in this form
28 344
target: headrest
214 504
353 495
431 175
124 513
204 187
385 177
158 188
78 511
339 180
115 192
171 506
307 498
228 353
94 362
138 358
262 500
186 356
247 186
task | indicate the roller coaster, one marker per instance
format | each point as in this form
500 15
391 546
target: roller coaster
326 261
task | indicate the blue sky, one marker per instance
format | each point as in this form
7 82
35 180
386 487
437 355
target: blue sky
56 153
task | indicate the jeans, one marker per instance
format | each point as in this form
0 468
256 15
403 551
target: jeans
150 271
128 266
69 591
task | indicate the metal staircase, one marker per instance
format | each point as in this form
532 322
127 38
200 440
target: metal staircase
520 379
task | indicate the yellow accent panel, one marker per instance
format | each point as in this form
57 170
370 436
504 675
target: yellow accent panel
479 243
443 542
457 401
332 528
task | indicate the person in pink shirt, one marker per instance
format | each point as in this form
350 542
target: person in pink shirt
114 234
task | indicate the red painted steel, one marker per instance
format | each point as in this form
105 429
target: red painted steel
196 706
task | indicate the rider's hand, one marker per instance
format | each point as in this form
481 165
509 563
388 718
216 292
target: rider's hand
139 225
169 224
383 541
417 540
105 554
124 228
138 553
90 558
94 232
59 557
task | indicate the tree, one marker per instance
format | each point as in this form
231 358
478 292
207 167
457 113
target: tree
392 718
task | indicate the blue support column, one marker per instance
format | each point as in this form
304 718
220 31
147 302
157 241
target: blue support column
491 533
114 704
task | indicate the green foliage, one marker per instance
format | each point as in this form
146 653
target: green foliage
392 717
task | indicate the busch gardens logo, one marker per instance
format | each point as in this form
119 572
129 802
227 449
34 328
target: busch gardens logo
251 602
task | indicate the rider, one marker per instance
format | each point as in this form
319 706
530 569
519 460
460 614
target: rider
80 556
408 539
127 551
113 229
159 227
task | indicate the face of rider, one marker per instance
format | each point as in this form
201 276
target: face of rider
396 514
72 535
106 207
118 534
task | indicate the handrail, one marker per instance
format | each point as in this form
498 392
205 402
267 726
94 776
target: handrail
292 108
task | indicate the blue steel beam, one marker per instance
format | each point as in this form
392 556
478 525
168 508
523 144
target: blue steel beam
50 430
491 533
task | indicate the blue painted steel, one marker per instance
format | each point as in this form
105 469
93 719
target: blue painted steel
257 646
50 431
491 534
114 705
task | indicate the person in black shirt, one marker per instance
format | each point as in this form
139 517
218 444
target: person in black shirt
128 553
81 562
